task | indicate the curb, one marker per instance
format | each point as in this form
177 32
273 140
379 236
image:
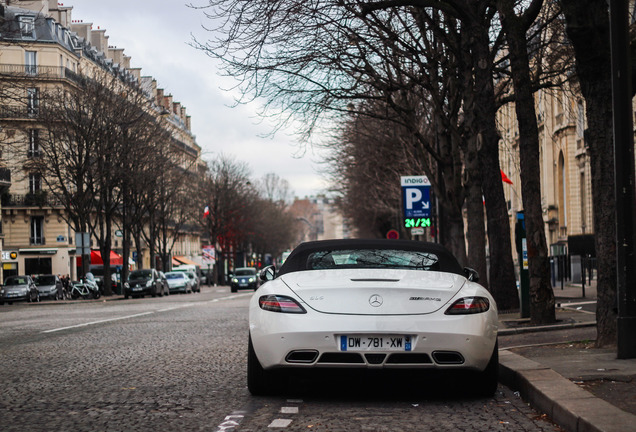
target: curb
533 329
568 405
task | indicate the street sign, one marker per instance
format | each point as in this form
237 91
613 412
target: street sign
416 200
417 231
393 235
82 243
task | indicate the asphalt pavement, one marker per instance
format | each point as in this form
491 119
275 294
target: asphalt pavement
580 387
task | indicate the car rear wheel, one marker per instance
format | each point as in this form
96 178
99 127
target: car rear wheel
259 381
486 381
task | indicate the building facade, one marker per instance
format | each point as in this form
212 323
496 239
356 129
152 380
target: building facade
566 180
43 48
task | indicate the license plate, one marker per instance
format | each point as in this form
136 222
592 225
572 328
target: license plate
375 343
136 289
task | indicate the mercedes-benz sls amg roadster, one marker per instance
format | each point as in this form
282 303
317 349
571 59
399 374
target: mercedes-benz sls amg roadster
371 304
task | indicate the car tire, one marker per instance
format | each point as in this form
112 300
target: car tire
126 296
233 289
486 381
259 381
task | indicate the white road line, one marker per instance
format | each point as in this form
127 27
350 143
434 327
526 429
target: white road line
97 322
141 314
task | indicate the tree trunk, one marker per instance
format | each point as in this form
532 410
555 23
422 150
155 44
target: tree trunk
502 281
476 229
541 294
587 25
454 238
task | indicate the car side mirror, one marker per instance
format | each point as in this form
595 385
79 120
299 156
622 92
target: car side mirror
268 273
471 274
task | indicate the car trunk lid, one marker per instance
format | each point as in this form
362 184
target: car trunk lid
374 291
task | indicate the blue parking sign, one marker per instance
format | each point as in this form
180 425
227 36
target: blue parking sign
416 196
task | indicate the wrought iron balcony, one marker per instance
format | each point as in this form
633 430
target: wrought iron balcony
37 199
36 71
40 240
17 112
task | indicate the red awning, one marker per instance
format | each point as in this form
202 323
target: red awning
184 260
115 259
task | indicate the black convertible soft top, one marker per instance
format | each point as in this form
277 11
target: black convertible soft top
297 260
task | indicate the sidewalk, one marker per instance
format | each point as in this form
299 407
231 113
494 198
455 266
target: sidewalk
581 388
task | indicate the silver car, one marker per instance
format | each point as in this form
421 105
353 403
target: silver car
179 282
50 286
18 288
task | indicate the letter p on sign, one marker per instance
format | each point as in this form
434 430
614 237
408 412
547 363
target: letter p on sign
412 196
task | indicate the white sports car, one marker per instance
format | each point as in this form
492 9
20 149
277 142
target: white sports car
371 304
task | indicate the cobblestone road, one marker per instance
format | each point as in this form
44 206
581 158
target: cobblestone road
178 363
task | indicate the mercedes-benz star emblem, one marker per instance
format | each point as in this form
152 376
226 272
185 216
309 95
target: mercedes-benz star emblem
376 300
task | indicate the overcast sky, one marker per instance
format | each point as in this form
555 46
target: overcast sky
156 33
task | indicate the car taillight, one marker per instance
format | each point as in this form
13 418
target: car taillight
277 303
468 305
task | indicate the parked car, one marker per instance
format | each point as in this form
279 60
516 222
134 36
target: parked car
164 283
18 288
179 282
49 286
372 304
143 282
194 281
244 278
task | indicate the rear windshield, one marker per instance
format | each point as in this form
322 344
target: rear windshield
140 274
373 258
45 280
245 272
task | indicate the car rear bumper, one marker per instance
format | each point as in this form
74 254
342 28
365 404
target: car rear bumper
464 342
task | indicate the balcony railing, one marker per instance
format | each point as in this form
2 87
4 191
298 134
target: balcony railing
37 199
40 72
33 241
17 112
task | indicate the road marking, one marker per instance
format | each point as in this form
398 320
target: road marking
230 422
141 314
280 423
289 410
97 322
563 304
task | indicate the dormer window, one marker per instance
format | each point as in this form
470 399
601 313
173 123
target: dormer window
27 26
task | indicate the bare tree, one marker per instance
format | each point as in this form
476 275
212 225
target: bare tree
329 54
228 193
